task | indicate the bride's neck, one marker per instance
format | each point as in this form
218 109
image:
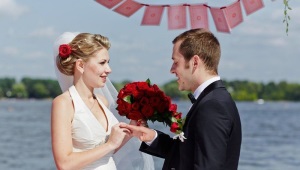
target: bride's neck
85 92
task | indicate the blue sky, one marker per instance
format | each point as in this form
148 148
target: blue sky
257 50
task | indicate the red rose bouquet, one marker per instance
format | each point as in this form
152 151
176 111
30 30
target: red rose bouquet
143 101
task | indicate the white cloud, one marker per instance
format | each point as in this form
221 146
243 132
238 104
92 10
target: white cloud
43 32
11 8
125 46
129 60
277 42
36 55
11 51
231 65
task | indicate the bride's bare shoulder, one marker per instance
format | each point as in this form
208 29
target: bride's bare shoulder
63 99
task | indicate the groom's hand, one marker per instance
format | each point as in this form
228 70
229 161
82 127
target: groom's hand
143 133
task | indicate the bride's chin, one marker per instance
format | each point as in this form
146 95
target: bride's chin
100 85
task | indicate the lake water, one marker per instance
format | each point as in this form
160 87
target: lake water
271 135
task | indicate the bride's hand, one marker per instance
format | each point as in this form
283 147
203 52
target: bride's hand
143 133
117 135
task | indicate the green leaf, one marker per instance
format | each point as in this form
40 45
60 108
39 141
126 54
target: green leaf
173 119
148 81
127 99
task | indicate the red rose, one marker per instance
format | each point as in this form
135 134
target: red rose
123 107
142 85
135 106
173 108
162 107
177 115
174 127
167 99
147 111
135 115
154 101
64 50
121 94
155 87
144 101
137 94
129 87
164 104
160 93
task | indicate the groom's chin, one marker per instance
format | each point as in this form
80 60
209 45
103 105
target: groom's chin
181 86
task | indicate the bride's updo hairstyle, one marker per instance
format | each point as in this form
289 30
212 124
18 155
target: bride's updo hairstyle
83 46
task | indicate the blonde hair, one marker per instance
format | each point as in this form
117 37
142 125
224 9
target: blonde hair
83 46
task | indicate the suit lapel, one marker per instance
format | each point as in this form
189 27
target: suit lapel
208 89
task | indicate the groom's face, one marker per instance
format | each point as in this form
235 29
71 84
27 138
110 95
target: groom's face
181 68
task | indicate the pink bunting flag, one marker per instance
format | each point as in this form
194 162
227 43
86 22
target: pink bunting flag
198 16
152 15
252 5
220 20
176 17
108 3
234 14
128 8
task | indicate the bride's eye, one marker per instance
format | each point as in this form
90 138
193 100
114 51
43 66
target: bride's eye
103 62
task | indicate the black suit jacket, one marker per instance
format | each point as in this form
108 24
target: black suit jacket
213 132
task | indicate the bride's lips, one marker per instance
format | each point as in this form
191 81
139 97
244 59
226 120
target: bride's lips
103 78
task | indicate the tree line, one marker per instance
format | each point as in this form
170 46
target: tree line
241 90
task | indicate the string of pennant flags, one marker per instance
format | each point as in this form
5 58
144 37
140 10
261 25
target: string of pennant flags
225 18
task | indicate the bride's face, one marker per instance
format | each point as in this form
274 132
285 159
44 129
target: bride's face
96 69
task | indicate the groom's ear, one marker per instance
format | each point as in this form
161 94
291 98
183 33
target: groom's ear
195 61
79 65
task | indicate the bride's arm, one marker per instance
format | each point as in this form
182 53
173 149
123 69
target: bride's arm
62 147
127 137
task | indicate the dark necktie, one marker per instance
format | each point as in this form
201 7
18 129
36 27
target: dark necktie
191 97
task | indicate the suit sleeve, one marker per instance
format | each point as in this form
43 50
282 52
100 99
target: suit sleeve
213 127
159 147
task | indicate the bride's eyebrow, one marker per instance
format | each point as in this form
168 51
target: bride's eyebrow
105 60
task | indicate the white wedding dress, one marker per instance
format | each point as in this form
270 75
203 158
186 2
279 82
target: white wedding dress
88 133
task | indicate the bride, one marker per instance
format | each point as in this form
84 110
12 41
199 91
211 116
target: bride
85 133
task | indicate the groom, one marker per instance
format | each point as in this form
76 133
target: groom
212 127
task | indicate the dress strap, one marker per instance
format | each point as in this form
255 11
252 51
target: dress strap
75 98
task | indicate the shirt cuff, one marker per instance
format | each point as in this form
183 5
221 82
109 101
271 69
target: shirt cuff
150 142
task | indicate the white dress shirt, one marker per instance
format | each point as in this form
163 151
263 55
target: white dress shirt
200 89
